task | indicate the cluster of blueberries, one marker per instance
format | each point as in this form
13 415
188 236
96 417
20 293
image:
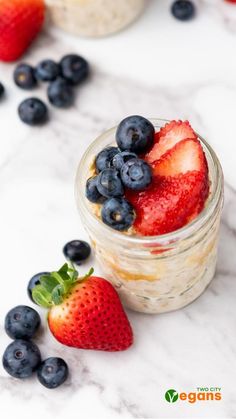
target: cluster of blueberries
22 357
62 77
120 168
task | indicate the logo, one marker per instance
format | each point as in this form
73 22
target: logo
171 396
201 394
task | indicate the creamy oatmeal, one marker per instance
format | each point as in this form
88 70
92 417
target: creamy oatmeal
160 273
94 17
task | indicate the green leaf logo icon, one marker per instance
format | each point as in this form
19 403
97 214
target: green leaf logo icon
171 396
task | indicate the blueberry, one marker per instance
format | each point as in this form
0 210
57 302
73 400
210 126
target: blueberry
77 251
104 158
136 174
135 134
74 68
24 76
47 70
22 322
109 183
91 191
118 213
52 372
121 158
183 9
2 90
60 93
21 358
35 280
33 111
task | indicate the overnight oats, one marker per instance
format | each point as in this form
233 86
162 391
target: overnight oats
150 195
94 17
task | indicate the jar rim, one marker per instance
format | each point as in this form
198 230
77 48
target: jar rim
162 239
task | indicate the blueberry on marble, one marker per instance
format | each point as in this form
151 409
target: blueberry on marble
118 213
121 158
105 157
135 133
74 68
136 174
35 280
60 93
47 70
109 183
21 358
91 191
22 322
2 90
33 111
52 372
24 76
183 10
77 251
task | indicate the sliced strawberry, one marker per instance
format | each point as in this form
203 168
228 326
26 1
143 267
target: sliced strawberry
186 155
169 135
169 202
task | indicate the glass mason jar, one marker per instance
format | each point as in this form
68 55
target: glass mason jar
94 17
159 273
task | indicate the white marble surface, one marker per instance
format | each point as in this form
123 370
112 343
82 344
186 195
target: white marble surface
187 71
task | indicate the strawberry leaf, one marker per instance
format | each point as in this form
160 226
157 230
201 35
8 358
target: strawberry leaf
41 296
55 286
48 282
57 295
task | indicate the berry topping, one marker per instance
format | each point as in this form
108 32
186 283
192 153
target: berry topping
35 280
169 203
121 158
84 312
77 251
52 372
22 322
47 70
33 111
60 93
187 155
169 135
91 191
104 158
183 10
74 68
20 22
136 174
109 183
21 358
24 76
2 90
118 213
135 134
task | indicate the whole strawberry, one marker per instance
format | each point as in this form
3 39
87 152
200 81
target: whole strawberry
20 22
83 312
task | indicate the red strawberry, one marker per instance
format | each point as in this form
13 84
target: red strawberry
169 135
169 202
186 155
84 312
20 22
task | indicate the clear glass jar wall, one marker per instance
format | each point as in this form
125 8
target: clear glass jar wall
94 17
162 273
